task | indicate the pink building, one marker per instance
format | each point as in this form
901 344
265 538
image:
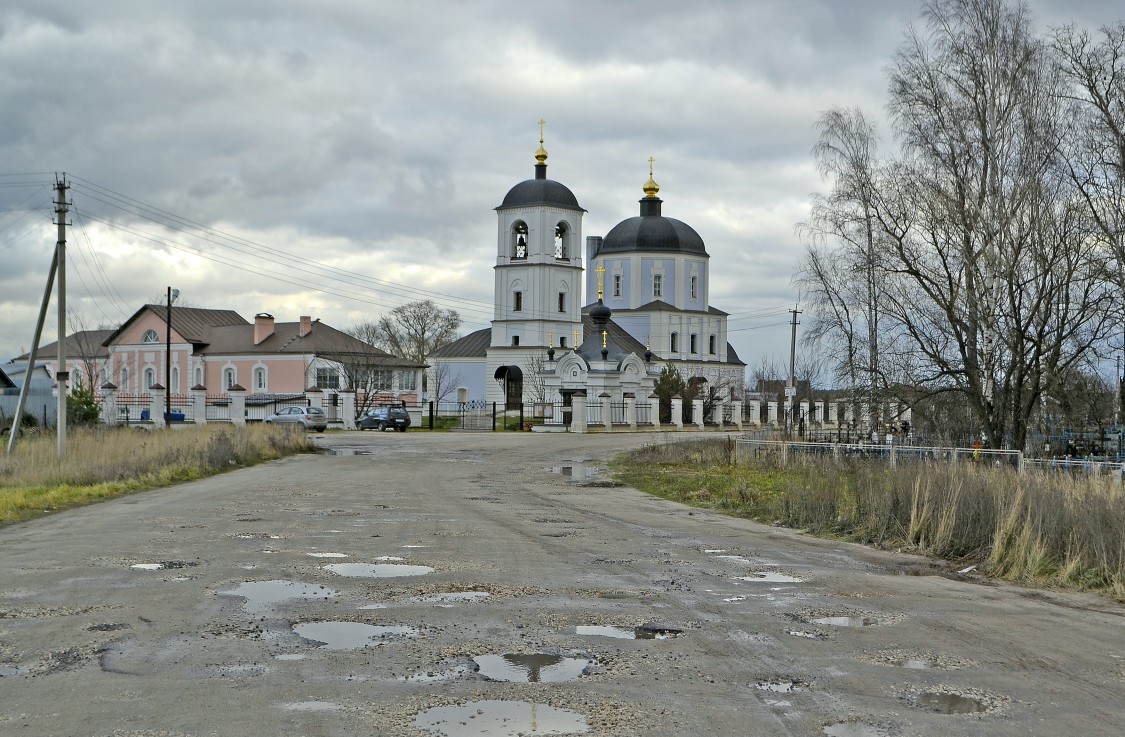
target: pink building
220 349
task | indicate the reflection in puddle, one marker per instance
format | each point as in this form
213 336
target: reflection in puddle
770 577
500 719
578 471
781 686
533 668
950 703
377 570
289 656
846 621
261 595
8 670
328 555
915 664
349 635
657 632
621 633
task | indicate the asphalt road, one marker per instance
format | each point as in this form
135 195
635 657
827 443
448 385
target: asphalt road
210 609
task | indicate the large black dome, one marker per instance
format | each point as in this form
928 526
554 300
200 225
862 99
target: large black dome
651 231
540 192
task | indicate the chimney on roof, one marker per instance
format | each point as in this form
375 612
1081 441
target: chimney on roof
306 326
263 327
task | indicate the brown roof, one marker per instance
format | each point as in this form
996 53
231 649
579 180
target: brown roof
84 344
322 340
190 322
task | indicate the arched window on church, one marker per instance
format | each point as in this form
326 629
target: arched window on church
519 241
562 235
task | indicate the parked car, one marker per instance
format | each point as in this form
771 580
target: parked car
311 417
380 418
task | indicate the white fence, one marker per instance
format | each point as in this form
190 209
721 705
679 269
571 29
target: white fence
751 447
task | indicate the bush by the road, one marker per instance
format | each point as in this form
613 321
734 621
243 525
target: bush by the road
105 462
1051 529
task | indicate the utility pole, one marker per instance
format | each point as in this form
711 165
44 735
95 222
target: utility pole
791 385
61 375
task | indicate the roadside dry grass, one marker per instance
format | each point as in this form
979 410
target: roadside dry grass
1047 529
103 463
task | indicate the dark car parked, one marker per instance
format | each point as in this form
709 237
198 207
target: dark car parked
380 418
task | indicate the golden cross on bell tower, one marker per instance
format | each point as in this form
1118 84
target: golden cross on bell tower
541 124
541 154
651 160
575 340
601 276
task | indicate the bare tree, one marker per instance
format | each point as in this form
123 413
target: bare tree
412 331
841 275
442 380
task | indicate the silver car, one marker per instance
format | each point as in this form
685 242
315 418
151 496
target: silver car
311 417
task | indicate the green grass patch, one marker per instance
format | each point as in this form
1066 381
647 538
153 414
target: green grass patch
1051 530
104 463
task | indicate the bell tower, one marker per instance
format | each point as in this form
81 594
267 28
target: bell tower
538 290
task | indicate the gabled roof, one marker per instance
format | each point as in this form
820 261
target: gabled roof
473 345
190 322
322 340
82 344
616 334
658 305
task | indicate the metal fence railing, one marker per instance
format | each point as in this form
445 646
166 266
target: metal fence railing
133 407
644 413
261 406
892 454
218 408
617 413
181 407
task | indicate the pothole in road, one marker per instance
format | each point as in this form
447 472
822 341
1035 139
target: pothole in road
654 631
327 555
917 660
847 621
770 577
950 703
576 471
643 632
261 595
808 635
166 565
352 635
531 668
377 570
952 700
782 686
8 670
500 719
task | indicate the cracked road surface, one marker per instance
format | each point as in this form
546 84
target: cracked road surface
453 576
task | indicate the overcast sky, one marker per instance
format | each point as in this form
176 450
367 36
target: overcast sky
341 157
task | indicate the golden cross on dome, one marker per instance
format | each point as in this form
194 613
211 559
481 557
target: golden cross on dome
651 160
541 124
541 154
550 340
601 275
575 340
605 333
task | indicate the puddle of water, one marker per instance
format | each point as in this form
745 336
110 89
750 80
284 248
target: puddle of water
915 664
735 598
148 566
289 656
262 595
415 546
377 570
533 668
770 577
950 703
621 633
349 635
781 686
807 635
847 621
8 670
390 557
853 729
347 452
455 596
500 719
311 706
373 606
328 555
657 632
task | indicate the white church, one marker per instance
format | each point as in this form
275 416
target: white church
650 277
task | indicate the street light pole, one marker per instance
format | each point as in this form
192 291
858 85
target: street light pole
172 294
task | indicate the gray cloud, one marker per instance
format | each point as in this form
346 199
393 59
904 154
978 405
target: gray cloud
377 137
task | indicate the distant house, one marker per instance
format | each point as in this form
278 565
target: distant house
86 360
219 350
